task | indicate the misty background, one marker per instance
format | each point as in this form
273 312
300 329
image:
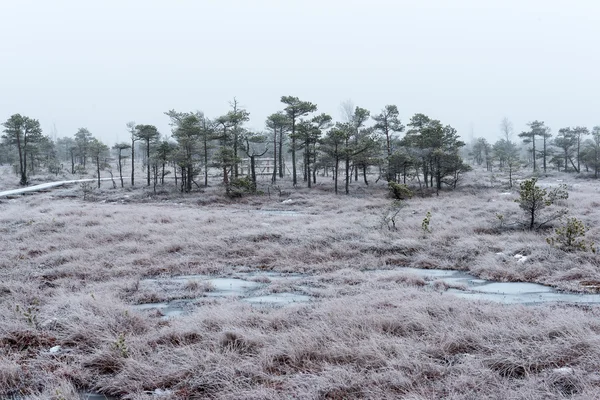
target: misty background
468 63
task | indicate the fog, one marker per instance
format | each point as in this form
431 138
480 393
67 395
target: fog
469 63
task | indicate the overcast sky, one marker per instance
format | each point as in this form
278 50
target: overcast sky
468 63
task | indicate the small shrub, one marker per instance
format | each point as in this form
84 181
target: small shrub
571 237
391 214
239 187
399 191
425 223
121 346
86 189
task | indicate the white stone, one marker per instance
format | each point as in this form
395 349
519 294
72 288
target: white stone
54 350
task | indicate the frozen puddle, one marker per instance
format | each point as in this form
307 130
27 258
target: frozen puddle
502 292
248 291
230 287
256 287
289 213
277 299
95 396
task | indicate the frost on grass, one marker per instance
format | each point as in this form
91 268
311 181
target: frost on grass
74 269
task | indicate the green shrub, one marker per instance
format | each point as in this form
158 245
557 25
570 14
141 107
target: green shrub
239 187
399 191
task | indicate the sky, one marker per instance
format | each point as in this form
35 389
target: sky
468 63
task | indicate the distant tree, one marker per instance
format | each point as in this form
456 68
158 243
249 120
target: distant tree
67 148
133 133
44 152
578 133
22 132
295 108
225 158
206 136
186 130
596 149
438 148
148 134
507 153
97 150
252 141
358 119
334 145
278 123
387 123
506 129
309 133
237 116
119 147
566 141
371 147
588 156
163 152
83 138
402 161
482 152
537 129
545 135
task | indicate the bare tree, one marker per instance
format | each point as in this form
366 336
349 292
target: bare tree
506 129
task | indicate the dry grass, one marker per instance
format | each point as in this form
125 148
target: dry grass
70 271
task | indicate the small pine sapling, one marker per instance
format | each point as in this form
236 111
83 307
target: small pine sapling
571 237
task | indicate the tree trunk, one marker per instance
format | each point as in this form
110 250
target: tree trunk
205 163
294 177
253 172
120 169
274 176
281 152
335 171
578 153
545 153
533 142
148 159
235 171
347 184
532 217
305 166
22 159
175 173
307 169
132 161
188 180
98 169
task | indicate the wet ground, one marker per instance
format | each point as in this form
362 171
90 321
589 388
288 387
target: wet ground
272 289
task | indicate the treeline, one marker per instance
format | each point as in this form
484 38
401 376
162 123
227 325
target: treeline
298 141
573 149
